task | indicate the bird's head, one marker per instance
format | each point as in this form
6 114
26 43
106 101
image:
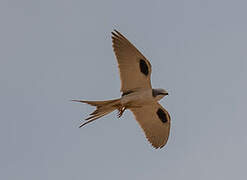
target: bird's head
158 94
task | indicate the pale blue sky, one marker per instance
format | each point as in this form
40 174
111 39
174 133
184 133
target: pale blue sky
52 51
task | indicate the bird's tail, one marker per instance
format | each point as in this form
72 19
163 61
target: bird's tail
102 108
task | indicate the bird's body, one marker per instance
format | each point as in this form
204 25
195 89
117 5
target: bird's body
137 94
137 98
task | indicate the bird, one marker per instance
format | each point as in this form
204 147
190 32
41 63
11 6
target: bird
137 93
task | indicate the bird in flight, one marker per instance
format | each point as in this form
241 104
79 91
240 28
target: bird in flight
137 93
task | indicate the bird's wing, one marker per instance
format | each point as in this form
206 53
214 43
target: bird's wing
155 122
135 69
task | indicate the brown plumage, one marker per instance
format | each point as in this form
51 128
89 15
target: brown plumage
137 93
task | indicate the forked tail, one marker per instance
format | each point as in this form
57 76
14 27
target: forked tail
102 108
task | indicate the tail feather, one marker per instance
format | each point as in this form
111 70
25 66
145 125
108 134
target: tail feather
92 118
102 108
97 103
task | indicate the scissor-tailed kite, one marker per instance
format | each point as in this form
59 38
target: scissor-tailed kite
137 93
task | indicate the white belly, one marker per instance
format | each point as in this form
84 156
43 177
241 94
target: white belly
138 98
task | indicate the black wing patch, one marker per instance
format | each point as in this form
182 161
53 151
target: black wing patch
144 67
127 92
162 115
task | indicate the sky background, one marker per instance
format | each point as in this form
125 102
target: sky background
52 51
